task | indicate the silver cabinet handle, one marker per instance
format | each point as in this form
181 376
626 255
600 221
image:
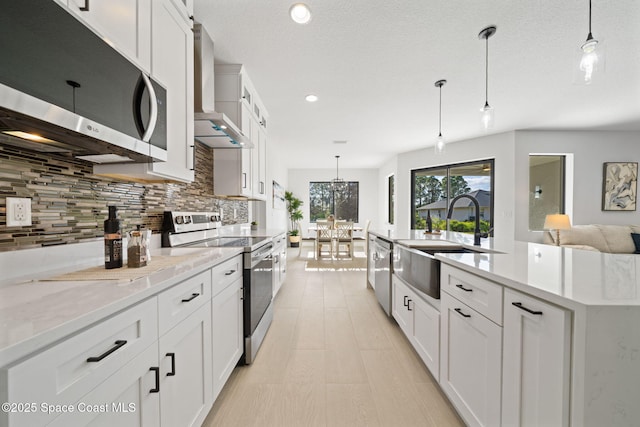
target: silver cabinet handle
153 105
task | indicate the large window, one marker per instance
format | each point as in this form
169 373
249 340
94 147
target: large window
324 202
433 189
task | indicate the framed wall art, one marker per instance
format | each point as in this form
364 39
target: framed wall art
619 186
278 196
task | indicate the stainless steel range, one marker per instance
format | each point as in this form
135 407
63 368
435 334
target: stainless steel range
202 229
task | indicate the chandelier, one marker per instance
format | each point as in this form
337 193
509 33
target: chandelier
338 185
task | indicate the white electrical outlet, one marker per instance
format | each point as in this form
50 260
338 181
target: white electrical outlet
18 212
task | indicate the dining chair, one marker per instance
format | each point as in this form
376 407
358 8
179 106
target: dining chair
363 237
343 236
324 236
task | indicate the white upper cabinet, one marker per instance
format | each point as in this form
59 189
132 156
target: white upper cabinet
124 24
259 139
171 66
237 99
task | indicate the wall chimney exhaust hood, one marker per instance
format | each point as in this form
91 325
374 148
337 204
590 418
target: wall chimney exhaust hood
218 131
211 128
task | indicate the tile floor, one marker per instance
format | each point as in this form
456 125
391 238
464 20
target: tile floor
331 358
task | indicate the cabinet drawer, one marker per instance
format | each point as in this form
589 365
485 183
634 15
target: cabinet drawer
177 303
122 400
224 274
480 294
63 373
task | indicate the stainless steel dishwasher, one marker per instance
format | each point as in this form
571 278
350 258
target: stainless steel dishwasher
383 251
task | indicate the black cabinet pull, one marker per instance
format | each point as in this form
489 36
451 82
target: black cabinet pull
156 389
85 8
463 288
405 301
191 298
117 345
408 304
461 313
528 310
173 364
229 273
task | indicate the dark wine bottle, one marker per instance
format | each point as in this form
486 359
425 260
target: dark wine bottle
112 241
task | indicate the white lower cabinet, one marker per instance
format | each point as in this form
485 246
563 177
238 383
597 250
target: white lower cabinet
227 331
470 362
124 399
279 261
186 392
536 360
159 362
66 372
419 321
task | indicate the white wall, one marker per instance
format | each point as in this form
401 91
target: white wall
500 147
590 150
368 190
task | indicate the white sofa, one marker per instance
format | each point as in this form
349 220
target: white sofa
614 239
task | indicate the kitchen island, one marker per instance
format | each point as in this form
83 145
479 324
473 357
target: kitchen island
533 333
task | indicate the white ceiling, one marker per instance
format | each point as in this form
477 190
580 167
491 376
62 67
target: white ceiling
373 64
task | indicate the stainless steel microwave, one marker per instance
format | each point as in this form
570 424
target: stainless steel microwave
64 89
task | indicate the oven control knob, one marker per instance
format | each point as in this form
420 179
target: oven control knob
187 219
214 218
179 219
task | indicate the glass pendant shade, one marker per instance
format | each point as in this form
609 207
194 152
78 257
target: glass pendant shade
486 112
441 145
591 60
440 142
487 115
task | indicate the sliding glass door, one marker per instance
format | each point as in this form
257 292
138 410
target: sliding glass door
433 189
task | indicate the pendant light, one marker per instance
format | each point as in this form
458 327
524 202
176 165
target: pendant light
338 185
486 112
440 142
591 55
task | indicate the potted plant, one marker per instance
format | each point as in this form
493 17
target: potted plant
295 216
254 225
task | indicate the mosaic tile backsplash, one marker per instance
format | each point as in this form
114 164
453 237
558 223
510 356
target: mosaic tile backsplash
69 203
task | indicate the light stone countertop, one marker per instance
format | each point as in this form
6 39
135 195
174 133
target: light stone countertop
37 313
567 277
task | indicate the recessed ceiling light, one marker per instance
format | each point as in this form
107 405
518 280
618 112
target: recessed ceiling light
300 13
311 98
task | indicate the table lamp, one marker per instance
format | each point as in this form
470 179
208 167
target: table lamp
557 222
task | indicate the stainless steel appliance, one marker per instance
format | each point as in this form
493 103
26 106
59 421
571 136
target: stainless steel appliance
419 268
62 83
200 229
383 251
211 128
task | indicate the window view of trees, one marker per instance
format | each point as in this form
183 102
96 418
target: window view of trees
324 202
434 188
